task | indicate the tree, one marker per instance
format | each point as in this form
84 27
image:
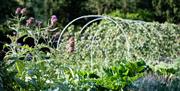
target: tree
7 8
167 10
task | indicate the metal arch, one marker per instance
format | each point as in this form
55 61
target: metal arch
98 17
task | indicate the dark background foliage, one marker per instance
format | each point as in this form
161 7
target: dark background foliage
6 9
66 10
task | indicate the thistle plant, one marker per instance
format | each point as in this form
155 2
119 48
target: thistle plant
53 20
18 11
71 45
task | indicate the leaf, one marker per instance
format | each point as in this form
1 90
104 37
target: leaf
141 63
108 71
126 73
20 67
140 69
20 82
121 68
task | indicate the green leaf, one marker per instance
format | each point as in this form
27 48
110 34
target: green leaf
140 69
126 73
20 67
141 63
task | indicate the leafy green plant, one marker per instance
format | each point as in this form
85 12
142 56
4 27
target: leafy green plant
138 15
98 58
120 76
115 77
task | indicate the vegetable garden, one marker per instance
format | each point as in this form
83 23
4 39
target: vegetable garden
106 54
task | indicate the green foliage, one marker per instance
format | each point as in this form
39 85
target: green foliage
100 60
6 78
118 77
151 41
139 15
167 10
168 68
66 10
6 9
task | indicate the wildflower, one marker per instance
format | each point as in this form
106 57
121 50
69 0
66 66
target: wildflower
71 45
53 20
18 11
29 21
23 11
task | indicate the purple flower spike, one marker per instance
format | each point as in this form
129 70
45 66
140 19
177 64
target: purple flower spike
53 20
23 11
29 21
18 11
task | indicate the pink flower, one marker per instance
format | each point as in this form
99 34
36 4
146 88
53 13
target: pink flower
23 11
53 20
71 45
30 21
18 11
